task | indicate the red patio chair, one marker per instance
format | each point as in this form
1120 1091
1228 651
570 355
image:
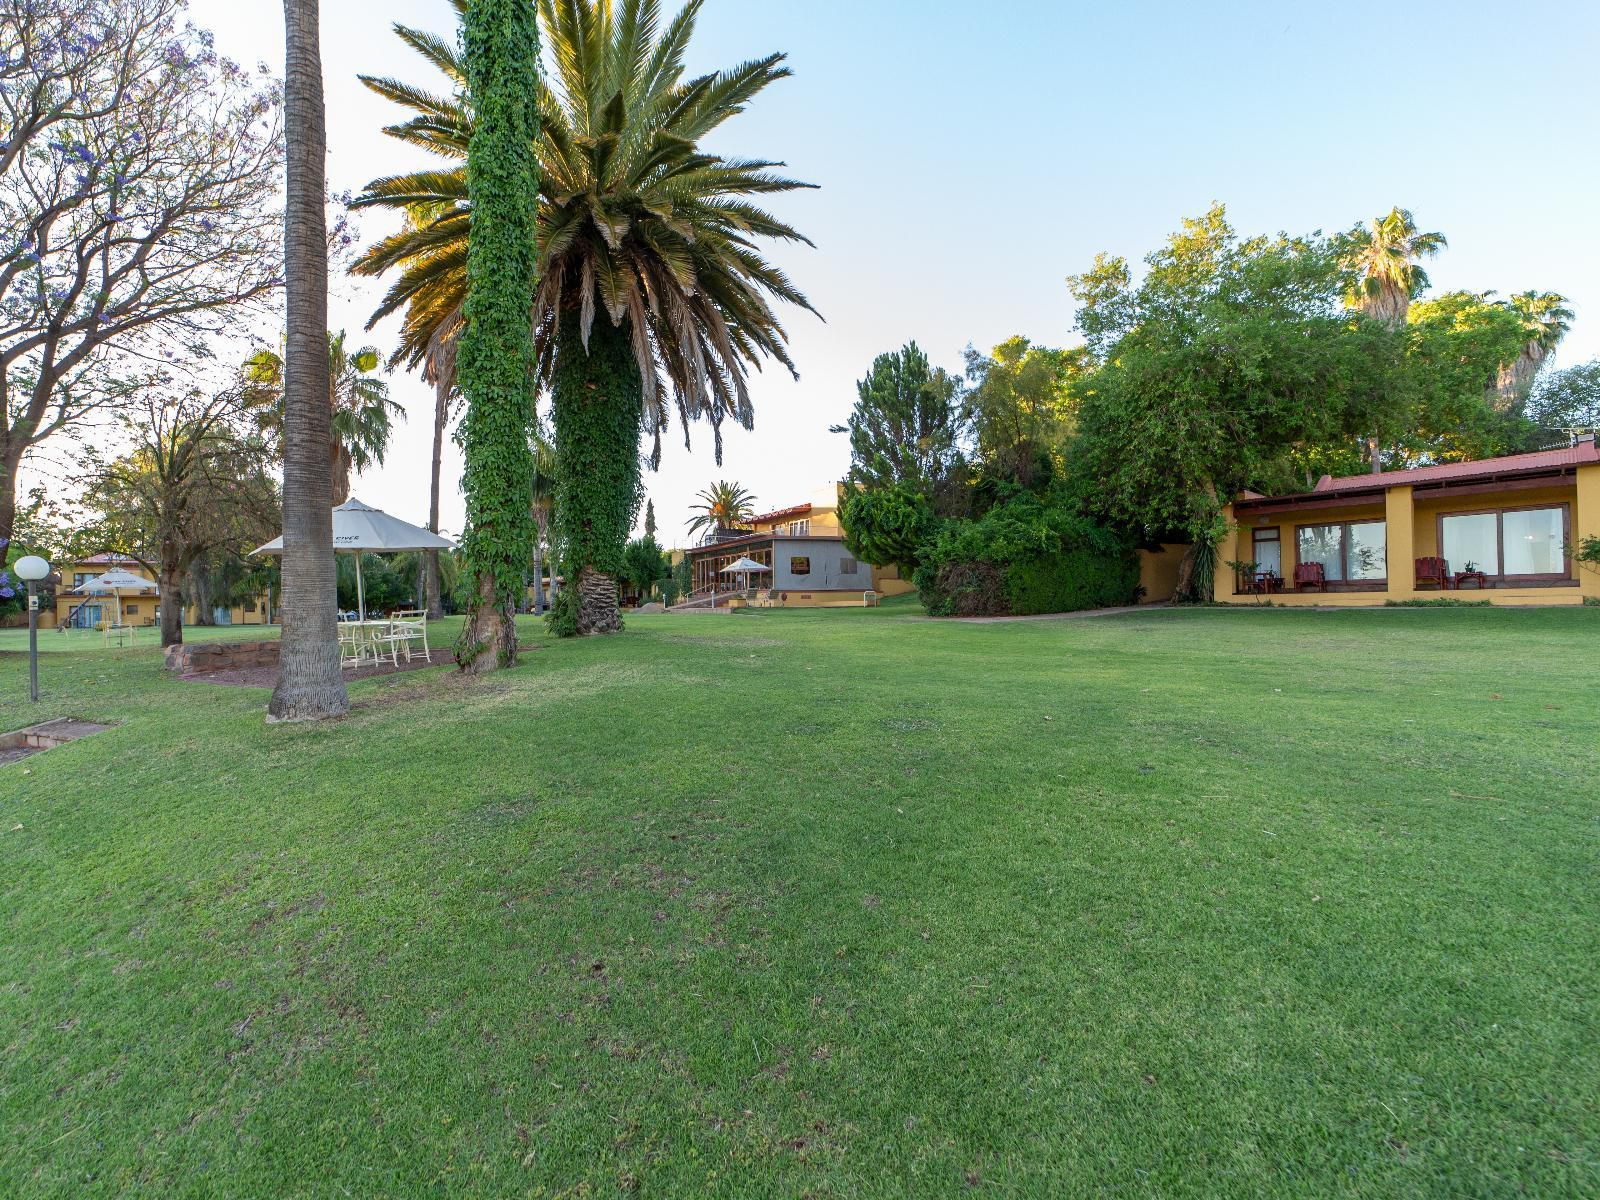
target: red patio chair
1433 570
1310 574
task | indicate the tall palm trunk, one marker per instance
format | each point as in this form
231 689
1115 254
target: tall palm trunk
338 473
310 685
598 410
538 580
431 599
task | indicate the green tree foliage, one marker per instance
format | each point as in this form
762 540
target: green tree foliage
721 506
1566 402
1031 553
888 525
682 578
388 582
363 413
649 241
194 485
1021 403
1228 355
500 49
650 518
907 427
644 565
1458 344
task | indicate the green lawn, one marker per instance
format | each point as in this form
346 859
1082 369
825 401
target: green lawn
144 637
846 904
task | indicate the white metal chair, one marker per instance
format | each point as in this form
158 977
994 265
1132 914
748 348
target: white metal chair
413 627
350 644
388 641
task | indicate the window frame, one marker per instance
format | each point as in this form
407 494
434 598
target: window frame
1564 576
1256 539
799 558
1371 583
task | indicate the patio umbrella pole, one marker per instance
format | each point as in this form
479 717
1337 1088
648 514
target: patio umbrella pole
361 595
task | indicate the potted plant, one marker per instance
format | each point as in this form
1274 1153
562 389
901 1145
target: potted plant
1245 575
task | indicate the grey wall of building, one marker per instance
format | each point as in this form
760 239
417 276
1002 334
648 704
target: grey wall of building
827 558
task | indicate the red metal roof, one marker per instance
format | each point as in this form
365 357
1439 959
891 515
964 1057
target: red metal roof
778 514
1483 468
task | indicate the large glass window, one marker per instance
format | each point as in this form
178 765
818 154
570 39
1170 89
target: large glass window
1323 544
1352 550
1535 541
1522 541
1367 550
1471 542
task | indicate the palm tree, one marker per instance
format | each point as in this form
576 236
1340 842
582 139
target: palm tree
1385 257
1546 318
362 412
722 506
544 498
637 226
310 685
444 401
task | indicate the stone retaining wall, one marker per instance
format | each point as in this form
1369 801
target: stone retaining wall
204 657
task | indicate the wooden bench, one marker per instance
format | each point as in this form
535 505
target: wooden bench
1433 570
1310 575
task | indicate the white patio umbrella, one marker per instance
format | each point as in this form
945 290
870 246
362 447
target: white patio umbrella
745 565
359 527
113 583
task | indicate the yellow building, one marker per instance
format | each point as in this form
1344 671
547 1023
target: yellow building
79 611
1500 529
803 548
141 607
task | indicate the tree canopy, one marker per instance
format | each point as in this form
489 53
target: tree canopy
908 425
1227 356
139 191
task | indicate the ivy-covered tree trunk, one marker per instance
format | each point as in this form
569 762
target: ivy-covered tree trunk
598 406
494 366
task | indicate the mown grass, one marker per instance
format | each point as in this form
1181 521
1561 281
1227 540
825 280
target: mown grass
1207 903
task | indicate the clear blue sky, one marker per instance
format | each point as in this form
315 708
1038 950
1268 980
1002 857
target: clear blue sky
970 156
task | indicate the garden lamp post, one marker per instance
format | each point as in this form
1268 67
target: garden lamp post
32 568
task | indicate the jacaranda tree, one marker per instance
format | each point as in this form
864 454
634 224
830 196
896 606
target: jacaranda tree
139 204
650 277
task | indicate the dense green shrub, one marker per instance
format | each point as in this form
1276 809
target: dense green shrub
887 525
1030 554
562 619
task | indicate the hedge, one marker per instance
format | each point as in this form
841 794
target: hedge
1028 555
